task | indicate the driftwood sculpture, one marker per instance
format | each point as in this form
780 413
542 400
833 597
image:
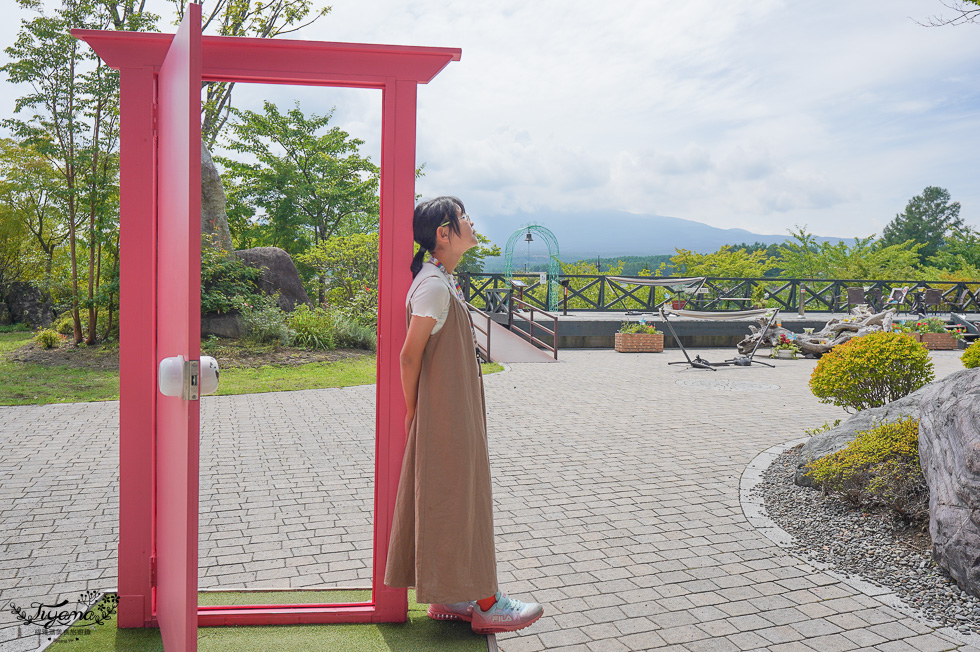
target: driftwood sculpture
860 322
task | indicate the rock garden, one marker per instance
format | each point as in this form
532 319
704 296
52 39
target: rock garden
891 494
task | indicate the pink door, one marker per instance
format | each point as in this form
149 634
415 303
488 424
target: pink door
178 331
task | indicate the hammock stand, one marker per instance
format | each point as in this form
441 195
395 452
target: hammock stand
740 360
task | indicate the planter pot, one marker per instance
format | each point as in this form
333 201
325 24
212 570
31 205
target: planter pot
785 354
640 342
938 341
676 305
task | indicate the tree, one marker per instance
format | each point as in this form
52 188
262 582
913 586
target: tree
346 264
928 219
726 263
472 261
866 259
966 11
74 100
240 18
317 188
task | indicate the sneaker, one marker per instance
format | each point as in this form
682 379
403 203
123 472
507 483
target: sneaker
454 611
506 615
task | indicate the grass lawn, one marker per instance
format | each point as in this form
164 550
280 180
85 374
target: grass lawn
30 383
419 634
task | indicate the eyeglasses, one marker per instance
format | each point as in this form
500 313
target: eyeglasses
464 216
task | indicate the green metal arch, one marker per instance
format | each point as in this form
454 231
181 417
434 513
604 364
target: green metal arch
554 270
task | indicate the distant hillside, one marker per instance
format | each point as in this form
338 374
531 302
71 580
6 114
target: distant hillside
614 233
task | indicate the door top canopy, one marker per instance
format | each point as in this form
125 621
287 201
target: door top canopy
278 61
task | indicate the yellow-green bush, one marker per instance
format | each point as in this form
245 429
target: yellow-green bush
48 338
971 357
880 467
869 371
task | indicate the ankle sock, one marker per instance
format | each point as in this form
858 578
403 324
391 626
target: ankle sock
486 603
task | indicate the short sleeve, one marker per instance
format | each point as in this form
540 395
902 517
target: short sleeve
430 299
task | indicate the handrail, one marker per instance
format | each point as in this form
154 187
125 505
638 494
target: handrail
486 354
596 292
530 329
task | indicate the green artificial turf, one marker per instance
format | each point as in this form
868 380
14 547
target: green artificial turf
419 634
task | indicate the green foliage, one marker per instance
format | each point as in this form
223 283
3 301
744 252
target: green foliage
784 344
65 324
226 281
313 328
347 271
927 220
48 338
870 371
317 188
264 321
880 467
584 267
726 262
971 356
821 429
637 327
866 259
473 260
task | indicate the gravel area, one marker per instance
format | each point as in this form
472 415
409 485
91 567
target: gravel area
873 546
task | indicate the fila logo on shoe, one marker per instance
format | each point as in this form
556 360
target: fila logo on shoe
505 618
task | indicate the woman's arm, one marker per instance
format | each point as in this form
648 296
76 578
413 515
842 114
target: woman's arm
419 329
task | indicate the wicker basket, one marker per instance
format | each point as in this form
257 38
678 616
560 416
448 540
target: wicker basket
640 342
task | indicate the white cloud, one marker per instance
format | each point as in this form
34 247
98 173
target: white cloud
756 114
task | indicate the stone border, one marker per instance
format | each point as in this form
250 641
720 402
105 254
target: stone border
754 509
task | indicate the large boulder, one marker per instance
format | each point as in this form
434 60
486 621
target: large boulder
949 452
838 438
26 304
278 273
214 218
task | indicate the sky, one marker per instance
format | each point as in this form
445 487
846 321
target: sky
753 114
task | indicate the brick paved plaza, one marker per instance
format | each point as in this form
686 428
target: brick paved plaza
616 505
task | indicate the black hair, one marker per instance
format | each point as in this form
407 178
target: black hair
428 216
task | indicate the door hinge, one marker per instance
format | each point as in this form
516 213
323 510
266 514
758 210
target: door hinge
153 570
155 113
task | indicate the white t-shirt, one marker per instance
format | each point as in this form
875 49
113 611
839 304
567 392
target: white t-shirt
430 294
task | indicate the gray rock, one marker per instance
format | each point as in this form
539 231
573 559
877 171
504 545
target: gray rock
278 273
838 438
26 304
229 325
949 452
214 218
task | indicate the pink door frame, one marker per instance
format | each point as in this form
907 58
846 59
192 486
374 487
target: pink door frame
396 71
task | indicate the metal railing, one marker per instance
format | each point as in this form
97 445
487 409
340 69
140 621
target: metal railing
529 335
484 352
600 294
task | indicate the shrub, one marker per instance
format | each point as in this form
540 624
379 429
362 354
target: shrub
971 357
637 327
264 321
314 328
225 280
880 467
870 371
48 338
65 324
349 333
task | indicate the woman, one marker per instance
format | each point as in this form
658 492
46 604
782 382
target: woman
442 532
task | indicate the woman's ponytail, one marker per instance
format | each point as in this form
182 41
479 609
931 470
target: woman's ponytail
417 261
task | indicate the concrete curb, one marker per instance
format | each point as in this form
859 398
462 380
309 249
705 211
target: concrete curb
754 509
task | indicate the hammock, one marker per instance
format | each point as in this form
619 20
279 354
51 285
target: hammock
659 282
718 316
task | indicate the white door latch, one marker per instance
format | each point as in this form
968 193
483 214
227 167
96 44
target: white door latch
188 378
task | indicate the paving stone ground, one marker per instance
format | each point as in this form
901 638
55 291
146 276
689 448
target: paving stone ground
616 494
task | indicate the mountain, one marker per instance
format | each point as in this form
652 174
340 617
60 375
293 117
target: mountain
615 233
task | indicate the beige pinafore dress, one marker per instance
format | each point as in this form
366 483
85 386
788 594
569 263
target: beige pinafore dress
442 529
